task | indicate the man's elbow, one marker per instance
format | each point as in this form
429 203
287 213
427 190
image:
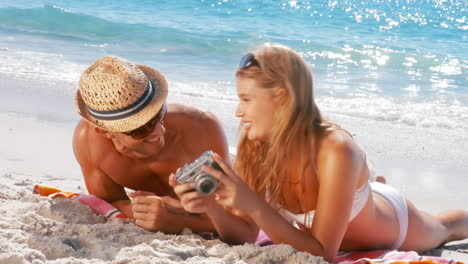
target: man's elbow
123 206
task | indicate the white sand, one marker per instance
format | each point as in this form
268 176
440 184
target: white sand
429 165
37 229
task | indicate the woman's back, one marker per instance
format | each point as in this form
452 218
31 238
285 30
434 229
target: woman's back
369 212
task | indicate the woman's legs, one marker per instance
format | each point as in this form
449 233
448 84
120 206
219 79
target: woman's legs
457 222
426 231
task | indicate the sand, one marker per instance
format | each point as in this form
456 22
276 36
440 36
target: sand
38 229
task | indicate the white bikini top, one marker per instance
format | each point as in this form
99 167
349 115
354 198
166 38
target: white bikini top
359 201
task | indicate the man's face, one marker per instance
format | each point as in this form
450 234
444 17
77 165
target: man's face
145 141
146 129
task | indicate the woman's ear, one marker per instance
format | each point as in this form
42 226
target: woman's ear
281 94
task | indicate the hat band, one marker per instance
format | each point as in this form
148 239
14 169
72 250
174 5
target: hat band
127 111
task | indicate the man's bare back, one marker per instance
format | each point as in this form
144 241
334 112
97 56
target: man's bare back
113 161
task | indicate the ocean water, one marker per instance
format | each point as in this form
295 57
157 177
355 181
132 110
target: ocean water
398 61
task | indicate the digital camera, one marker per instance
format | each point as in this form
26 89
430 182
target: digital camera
205 183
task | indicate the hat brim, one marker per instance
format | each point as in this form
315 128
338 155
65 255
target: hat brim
134 121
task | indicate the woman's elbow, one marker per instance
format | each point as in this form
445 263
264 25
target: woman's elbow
329 258
239 239
235 240
329 255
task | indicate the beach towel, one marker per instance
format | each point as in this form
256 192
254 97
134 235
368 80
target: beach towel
96 204
390 257
374 256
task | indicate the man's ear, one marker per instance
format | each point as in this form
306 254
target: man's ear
105 132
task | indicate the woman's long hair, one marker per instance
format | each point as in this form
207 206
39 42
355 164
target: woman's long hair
268 167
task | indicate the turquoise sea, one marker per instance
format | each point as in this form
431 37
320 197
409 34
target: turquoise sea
399 61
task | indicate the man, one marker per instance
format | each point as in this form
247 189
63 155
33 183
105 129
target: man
130 137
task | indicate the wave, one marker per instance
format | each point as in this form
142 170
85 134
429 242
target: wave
437 113
55 22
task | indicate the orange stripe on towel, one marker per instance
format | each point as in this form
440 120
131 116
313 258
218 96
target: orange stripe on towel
52 192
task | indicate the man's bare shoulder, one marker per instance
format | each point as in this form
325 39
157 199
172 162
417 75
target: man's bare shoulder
188 111
200 129
87 143
81 130
191 115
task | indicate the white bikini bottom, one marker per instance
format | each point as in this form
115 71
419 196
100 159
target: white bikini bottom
398 203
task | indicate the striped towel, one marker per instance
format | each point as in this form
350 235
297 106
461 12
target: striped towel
96 204
373 256
390 257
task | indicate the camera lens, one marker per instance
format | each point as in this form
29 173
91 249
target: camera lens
206 185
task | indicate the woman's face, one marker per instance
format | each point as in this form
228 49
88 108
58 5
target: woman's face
256 109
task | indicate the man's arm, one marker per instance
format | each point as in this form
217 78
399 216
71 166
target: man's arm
102 186
97 182
153 213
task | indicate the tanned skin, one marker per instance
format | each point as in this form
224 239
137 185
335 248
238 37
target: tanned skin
112 161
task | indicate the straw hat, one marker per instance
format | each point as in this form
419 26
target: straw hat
119 96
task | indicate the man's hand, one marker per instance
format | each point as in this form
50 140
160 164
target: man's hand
153 212
173 205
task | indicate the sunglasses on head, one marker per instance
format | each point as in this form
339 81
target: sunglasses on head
146 129
248 60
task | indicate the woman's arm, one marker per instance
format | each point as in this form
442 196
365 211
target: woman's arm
339 164
235 194
233 226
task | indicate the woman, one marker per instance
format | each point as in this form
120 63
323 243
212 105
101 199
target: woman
304 181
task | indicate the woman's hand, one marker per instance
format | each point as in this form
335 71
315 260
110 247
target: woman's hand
191 200
223 205
232 192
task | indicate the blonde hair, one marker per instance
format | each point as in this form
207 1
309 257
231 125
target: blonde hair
267 166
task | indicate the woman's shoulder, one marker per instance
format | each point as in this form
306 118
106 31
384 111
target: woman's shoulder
339 158
337 142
